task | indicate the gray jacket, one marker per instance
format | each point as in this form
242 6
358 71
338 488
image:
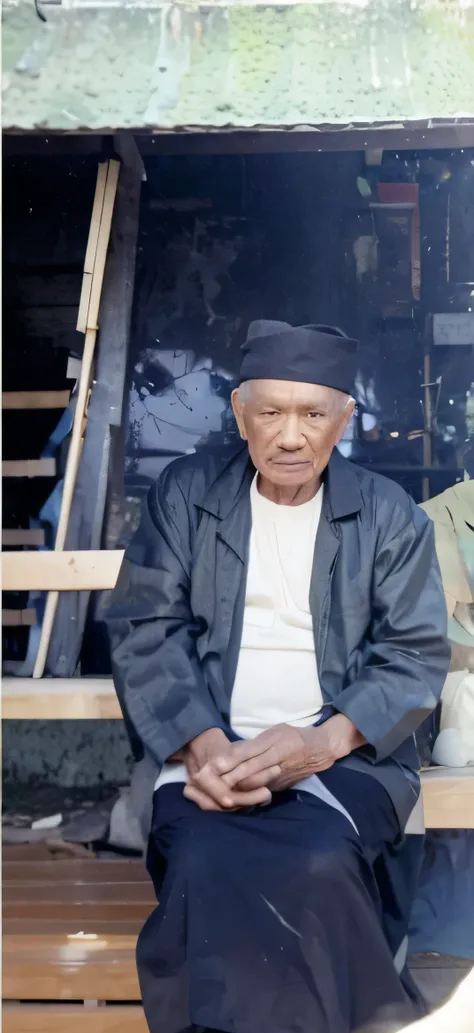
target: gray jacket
176 614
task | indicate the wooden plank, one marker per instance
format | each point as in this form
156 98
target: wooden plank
113 896
60 571
70 967
54 699
73 1018
15 536
91 249
35 399
94 484
28 468
448 798
76 914
75 446
102 244
74 872
59 927
19 618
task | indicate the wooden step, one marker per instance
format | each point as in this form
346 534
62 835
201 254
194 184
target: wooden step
70 966
87 570
28 468
70 929
19 618
35 399
74 873
76 895
72 1018
59 699
14 537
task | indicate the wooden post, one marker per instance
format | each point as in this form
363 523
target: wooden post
99 234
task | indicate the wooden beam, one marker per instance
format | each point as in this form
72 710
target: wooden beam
15 536
73 1018
19 618
28 468
90 570
55 699
35 399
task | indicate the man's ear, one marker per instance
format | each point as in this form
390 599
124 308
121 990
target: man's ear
238 410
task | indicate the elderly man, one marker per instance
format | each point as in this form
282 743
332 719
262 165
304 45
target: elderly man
279 628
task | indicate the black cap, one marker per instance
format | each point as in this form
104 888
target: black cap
308 354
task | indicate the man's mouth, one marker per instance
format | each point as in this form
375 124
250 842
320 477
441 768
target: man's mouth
291 462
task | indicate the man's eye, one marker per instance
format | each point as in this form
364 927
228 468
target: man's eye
315 415
270 412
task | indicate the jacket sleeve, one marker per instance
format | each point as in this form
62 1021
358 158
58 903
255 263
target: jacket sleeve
155 665
407 659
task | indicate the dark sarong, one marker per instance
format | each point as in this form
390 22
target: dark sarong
271 921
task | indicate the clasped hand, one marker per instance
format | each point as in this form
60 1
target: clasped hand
225 776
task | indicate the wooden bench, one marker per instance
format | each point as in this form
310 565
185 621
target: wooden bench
69 936
69 933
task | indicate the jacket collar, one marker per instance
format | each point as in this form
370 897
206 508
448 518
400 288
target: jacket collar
343 494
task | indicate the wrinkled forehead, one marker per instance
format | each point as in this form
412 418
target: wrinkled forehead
288 394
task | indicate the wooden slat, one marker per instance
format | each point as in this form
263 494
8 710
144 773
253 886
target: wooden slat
91 250
28 468
19 618
60 571
77 914
448 798
122 894
49 699
58 926
75 872
17 536
73 1018
70 968
35 399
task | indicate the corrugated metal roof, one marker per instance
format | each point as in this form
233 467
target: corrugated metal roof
105 64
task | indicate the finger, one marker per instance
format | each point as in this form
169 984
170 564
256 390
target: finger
213 785
261 778
241 752
252 797
206 803
249 768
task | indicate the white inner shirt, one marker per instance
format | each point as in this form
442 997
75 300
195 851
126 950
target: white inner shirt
277 677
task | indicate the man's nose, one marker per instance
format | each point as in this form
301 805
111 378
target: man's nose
291 436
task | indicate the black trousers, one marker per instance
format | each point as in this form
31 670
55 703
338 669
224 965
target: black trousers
272 922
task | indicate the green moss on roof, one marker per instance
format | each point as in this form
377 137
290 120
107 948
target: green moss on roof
237 66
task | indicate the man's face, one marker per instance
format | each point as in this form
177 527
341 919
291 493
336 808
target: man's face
291 428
